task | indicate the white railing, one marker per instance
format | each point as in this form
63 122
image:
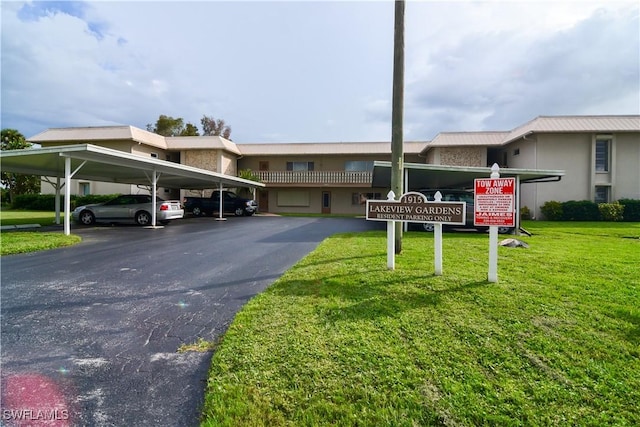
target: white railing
315 177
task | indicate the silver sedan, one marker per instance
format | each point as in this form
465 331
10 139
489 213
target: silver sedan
127 208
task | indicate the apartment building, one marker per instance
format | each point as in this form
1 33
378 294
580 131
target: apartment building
599 154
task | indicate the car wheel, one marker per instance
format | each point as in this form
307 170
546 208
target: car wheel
239 212
248 213
504 230
87 217
196 211
428 227
143 218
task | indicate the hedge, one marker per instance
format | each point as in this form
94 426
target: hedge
585 210
47 202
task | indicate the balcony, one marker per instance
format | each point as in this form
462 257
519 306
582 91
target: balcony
316 178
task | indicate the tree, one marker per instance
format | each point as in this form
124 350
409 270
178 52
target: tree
167 126
213 127
190 130
17 183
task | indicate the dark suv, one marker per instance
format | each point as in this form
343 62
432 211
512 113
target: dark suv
455 196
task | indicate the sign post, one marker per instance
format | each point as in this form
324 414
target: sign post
414 207
494 205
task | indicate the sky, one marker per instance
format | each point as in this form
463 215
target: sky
304 71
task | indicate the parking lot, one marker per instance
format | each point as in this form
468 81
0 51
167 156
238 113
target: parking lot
100 323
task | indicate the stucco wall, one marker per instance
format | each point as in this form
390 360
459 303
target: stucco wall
203 159
459 156
626 167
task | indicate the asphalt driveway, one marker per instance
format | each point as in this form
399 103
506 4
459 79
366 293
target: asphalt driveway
90 333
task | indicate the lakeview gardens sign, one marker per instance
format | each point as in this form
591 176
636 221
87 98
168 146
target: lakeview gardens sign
414 207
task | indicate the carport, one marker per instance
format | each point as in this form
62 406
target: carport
95 163
420 176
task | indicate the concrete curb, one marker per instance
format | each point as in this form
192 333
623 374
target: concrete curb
19 226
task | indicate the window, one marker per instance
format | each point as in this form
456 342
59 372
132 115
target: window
358 165
602 194
85 188
154 155
603 147
299 166
516 152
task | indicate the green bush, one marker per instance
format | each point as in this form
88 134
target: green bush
580 210
631 209
552 210
47 202
611 211
525 213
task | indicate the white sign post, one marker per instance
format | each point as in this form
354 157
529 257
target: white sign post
391 237
494 201
414 207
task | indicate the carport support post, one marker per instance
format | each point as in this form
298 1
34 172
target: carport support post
220 207
57 200
67 196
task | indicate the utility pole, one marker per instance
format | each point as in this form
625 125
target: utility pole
397 149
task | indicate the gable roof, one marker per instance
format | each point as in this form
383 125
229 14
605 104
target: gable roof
560 124
100 133
201 143
541 124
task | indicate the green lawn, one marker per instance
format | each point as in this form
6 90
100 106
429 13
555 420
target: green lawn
14 242
340 340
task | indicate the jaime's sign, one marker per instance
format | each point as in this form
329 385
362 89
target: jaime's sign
414 207
495 202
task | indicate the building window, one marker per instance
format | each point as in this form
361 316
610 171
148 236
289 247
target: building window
602 194
358 165
299 166
603 148
516 152
85 188
154 155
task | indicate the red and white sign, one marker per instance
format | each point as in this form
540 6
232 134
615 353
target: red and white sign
494 202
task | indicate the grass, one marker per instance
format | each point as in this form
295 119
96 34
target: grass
14 242
340 340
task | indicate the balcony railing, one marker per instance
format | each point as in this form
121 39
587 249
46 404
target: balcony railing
315 177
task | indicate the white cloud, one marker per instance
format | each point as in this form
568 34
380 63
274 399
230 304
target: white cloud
315 71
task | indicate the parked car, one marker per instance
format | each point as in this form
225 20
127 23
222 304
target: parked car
127 208
455 196
231 203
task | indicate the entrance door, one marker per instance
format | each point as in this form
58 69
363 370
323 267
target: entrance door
326 202
263 201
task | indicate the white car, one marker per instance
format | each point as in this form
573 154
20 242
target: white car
127 208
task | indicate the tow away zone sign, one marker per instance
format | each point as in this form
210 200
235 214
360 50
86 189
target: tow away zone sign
494 202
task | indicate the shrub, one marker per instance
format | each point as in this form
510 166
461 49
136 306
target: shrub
552 211
631 209
611 211
582 210
525 213
47 202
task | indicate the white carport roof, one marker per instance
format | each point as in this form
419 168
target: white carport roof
420 176
96 163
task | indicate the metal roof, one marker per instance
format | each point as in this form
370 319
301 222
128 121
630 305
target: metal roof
447 139
108 165
549 124
326 148
201 143
541 124
99 133
421 176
